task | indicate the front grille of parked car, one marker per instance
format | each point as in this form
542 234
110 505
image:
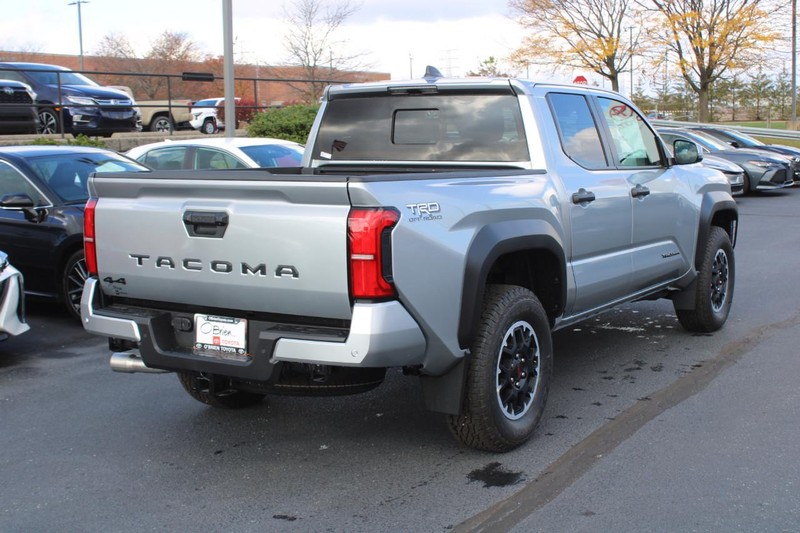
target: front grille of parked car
780 177
15 96
115 103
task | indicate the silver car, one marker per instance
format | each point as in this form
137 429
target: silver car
12 304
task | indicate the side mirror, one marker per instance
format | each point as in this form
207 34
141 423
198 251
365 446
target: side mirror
686 152
16 201
735 144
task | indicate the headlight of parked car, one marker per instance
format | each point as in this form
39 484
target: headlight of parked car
762 164
81 100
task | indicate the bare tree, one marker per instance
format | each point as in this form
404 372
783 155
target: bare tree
712 36
598 35
313 42
170 52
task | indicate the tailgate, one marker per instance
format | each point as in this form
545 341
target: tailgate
244 240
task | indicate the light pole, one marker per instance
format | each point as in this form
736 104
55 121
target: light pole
80 28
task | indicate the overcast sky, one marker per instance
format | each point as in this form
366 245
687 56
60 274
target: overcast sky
398 37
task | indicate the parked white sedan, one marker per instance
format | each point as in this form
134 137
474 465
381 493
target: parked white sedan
219 153
12 304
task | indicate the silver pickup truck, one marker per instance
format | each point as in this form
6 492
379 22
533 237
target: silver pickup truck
445 227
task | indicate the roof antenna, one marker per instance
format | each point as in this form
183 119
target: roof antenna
432 72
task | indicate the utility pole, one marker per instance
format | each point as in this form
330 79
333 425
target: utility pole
80 25
794 64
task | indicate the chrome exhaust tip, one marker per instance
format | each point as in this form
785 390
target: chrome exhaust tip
130 362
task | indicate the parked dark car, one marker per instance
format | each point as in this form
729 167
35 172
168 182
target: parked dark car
71 99
17 108
764 171
738 139
43 192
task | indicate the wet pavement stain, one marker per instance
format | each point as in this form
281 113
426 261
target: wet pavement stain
493 475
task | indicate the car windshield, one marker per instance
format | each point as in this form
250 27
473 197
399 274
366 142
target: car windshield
744 138
68 174
708 141
274 155
54 77
211 102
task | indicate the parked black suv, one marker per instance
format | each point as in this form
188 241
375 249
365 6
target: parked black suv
69 99
17 108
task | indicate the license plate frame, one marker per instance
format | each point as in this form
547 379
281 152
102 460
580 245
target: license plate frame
220 336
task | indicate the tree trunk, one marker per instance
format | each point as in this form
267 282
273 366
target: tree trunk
702 104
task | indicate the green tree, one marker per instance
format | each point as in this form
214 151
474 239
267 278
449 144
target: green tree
489 67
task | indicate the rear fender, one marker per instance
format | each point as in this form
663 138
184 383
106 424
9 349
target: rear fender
494 241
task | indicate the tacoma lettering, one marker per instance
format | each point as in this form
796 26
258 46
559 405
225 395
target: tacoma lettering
216 265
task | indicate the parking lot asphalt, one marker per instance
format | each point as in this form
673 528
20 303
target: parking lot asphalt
716 450
647 428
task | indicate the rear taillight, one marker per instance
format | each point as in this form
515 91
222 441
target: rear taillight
369 236
89 249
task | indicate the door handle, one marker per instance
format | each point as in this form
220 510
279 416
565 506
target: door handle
582 196
640 191
205 223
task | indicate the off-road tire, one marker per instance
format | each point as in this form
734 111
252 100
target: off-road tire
510 369
72 280
714 286
196 383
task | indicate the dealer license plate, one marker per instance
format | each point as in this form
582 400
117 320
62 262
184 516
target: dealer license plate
220 336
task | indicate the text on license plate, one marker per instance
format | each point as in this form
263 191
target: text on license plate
220 336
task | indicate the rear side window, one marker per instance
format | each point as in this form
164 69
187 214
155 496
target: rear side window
171 158
442 127
210 159
580 139
635 144
13 182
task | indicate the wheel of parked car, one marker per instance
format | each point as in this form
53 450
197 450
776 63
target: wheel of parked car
48 121
209 126
72 281
714 286
510 368
161 123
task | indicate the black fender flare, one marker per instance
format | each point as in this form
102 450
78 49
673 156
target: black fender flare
490 243
715 202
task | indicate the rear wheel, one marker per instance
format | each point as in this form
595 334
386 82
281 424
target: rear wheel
72 280
511 364
161 123
212 391
714 285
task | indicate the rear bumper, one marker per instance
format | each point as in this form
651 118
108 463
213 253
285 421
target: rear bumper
380 335
12 303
